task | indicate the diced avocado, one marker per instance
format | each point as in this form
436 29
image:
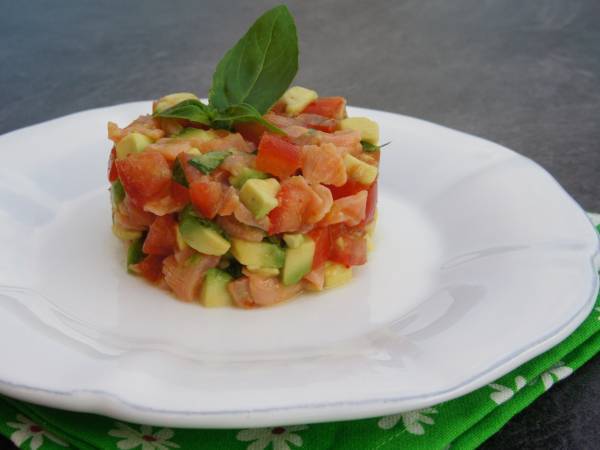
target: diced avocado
293 240
214 293
260 196
369 130
246 174
336 274
132 143
125 234
134 252
359 170
264 271
201 237
298 261
181 245
117 193
297 98
257 254
197 134
170 100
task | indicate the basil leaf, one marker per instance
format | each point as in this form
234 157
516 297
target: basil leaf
370 148
261 66
244 112
208 162
192 110
179 174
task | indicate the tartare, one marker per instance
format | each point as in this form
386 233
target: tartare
253 197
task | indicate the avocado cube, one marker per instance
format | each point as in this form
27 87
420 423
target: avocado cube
369 130
298 261
197 134
124 234
132 143
260 196
359 170
171 100
257 254
336 274
265 272
246 174
214 293
117 193
202 238
293 240
297 98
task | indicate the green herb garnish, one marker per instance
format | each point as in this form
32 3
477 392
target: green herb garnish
251 76
234 268
208 162
370 148
179 174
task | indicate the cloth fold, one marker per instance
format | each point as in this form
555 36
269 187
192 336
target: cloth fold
462 423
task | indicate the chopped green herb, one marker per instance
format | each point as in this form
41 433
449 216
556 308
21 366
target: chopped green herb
179 174
208 162
370 148
192 110
234 268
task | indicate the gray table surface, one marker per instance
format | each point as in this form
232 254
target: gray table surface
523 74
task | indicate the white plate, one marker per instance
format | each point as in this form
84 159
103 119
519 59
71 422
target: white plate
482 261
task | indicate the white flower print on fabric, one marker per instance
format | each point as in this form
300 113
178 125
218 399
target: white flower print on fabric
559 372
144 438
27 428
412 420
278 436
505 393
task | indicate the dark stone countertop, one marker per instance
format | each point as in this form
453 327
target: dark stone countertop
523 74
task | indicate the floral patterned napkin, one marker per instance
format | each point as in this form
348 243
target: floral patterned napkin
463 423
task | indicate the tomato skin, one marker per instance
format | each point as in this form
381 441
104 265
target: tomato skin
371 203
112 168
322 246
206 196
350 188
251 131
278 156
151 268
145 176
318 122
348 246
161 238
332 107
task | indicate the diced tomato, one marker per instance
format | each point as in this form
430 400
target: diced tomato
151 267
279 107
180 194
318 122
161 238
322 246
145 176
332 107
112 169
250 131
277 156
350 188
371 203
348 246
207 197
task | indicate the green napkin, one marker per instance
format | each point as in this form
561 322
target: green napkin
463 423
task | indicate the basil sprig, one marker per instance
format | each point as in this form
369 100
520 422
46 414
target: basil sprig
251 76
